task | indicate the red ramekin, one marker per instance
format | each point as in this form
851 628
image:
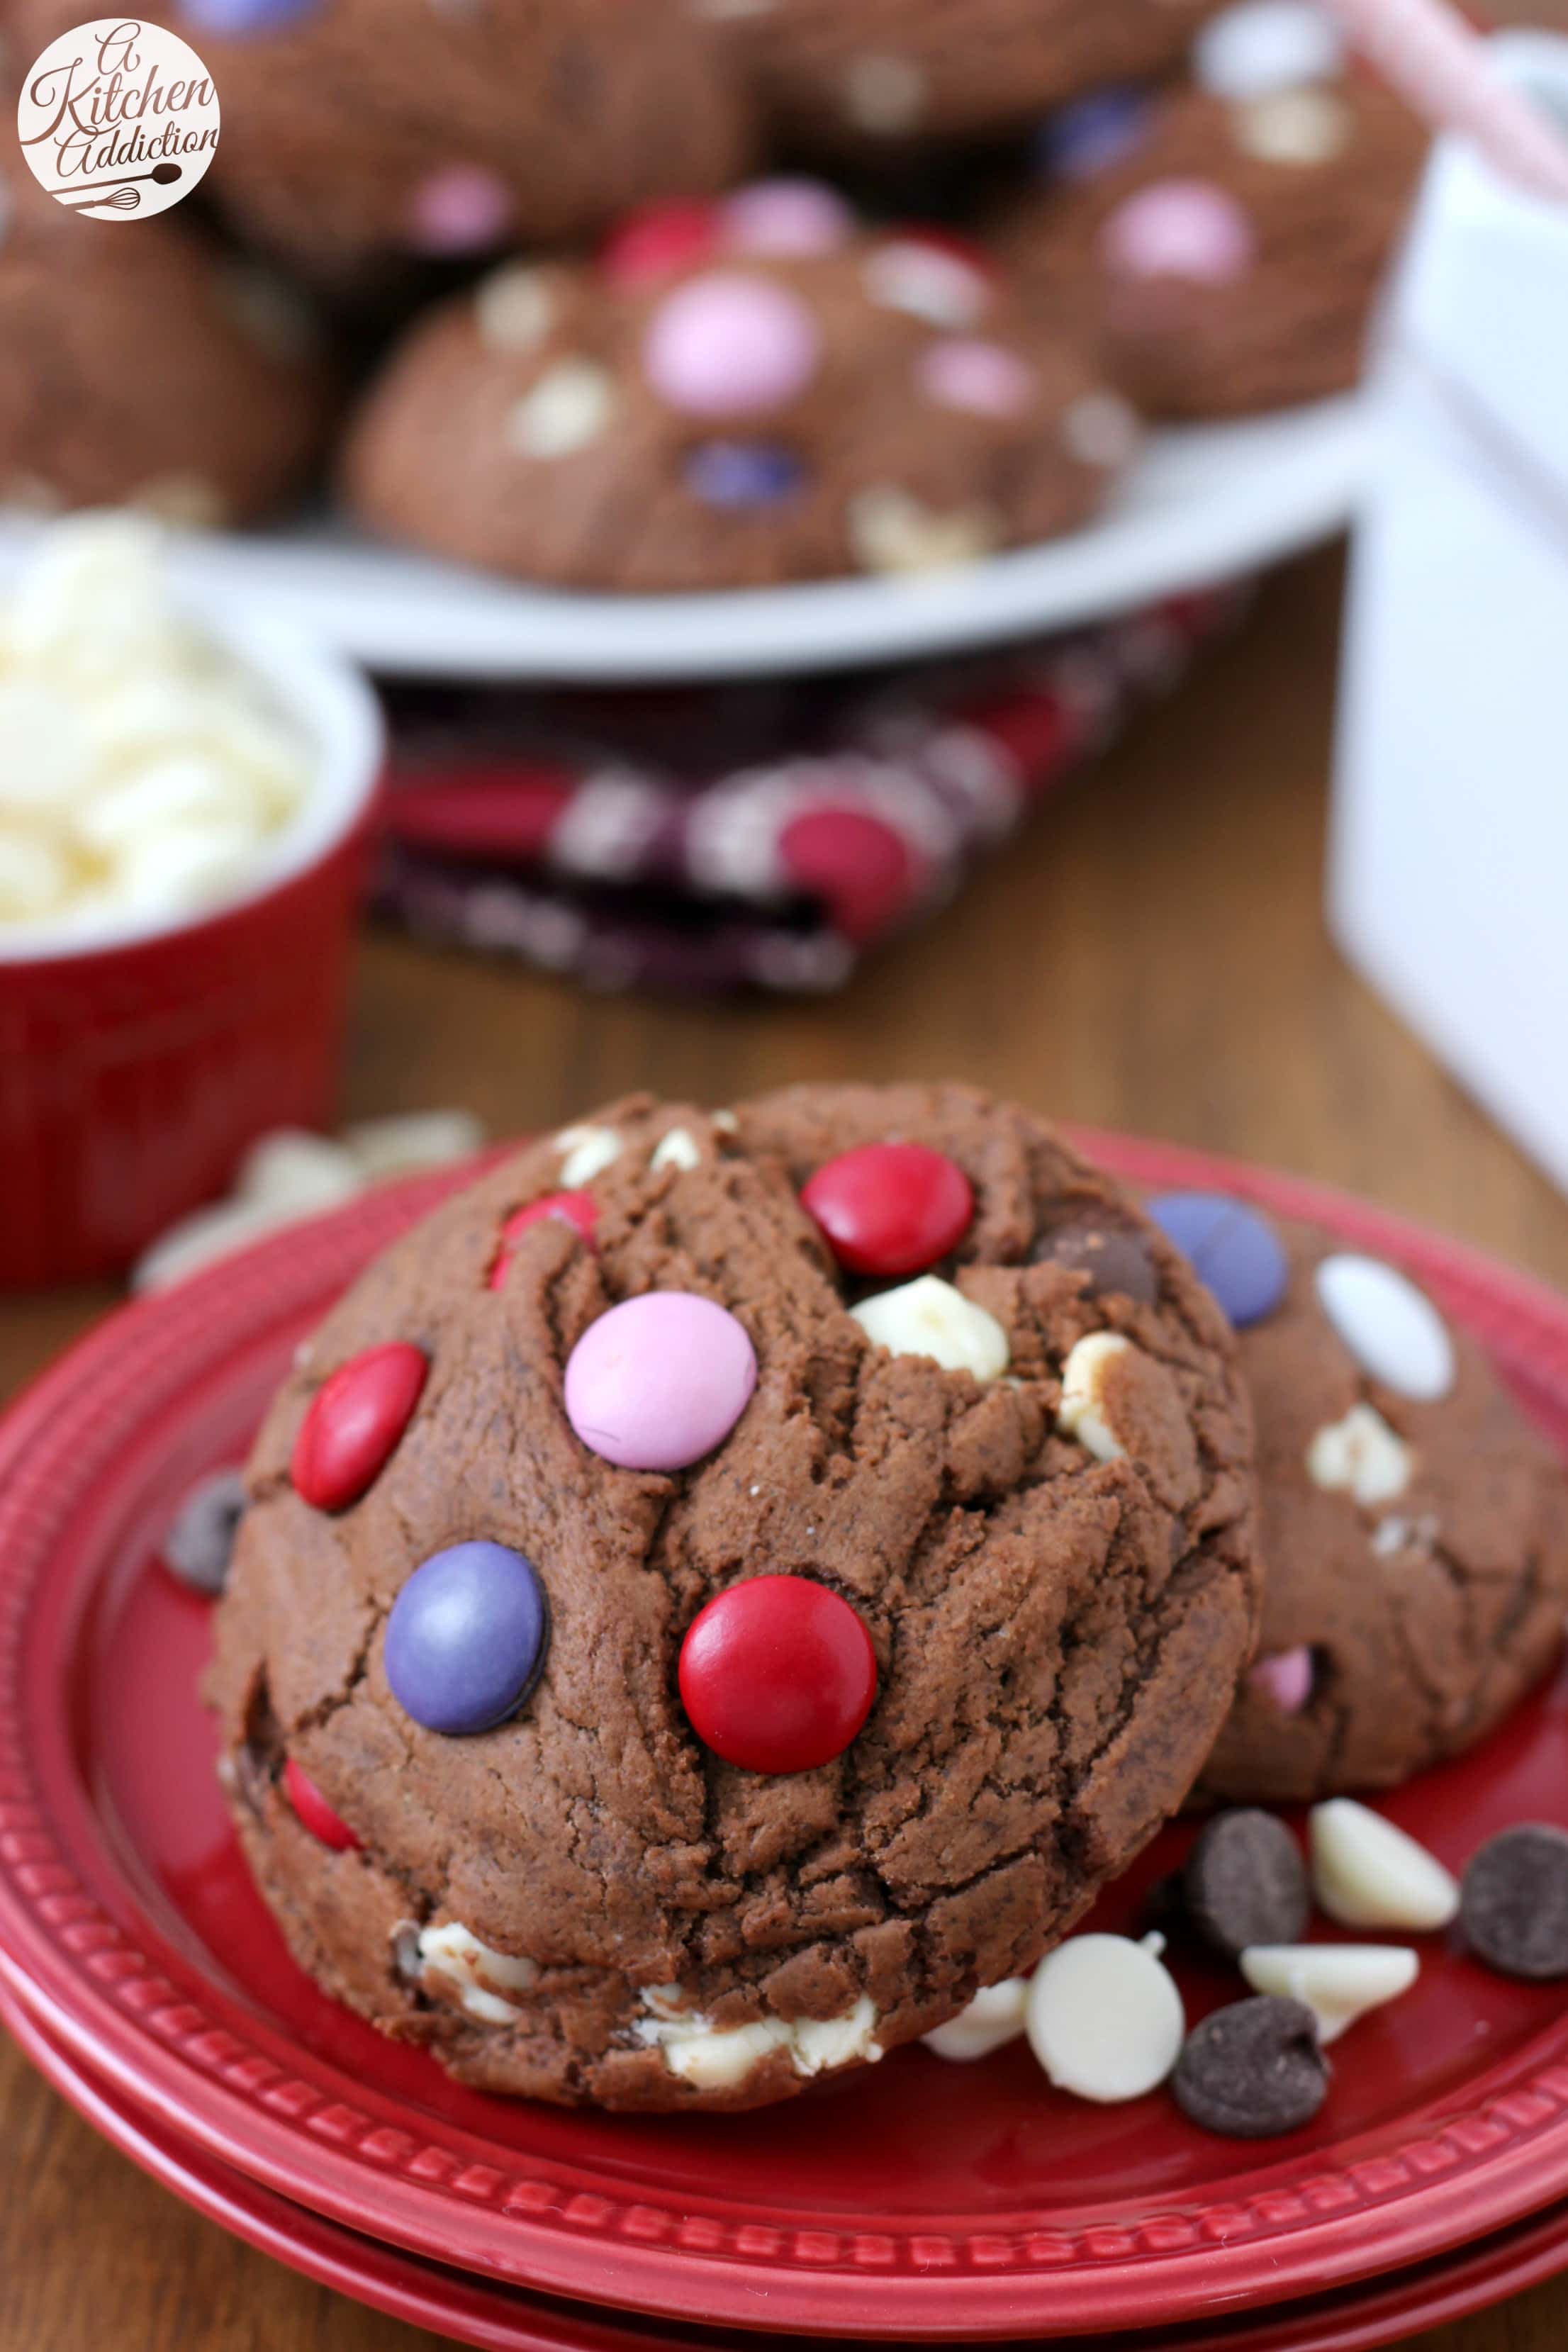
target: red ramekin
136 1064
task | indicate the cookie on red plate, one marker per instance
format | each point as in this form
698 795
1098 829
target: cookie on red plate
751 392
1414 1527
723 1589
1230 236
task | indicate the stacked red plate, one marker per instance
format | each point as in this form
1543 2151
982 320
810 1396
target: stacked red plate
930 2202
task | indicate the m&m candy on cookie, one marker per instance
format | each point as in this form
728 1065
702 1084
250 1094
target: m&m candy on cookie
354 1422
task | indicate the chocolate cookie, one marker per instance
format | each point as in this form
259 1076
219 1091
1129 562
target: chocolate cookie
1414 1529
754 394
1229 245
142 367
885 73
661 1666
362 133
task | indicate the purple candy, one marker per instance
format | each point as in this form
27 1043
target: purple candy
466 1638
1093 135
660 1380
238 17
742 473
1233 1249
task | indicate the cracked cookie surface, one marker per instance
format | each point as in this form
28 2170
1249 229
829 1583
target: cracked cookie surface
584 1903
1416 1550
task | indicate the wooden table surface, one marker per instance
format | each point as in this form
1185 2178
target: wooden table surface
1150 955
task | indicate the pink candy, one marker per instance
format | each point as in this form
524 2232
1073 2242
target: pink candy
1287 1678
788 218
1179 228
660 1380
984 378
727 345
461 210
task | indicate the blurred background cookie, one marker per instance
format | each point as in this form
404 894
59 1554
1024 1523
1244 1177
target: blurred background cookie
756 392
1414 1527
1229 236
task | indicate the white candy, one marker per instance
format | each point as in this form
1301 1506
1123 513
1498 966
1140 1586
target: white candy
1100 428
1392 1330
930 1318
568 407
1105 2019
1085 1378
676 1149
514 308
1361 1456
715 2058
1265 45
34 876
290 1168
891 532
1338 1982
907 274
1367 1873
185 790
586 1152
995 2016
180 868
44 761
411 1140
204 1237
453 1959
1293 126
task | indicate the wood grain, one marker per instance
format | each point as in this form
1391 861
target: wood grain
1150 955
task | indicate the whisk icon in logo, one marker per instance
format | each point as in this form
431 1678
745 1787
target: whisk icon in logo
118 119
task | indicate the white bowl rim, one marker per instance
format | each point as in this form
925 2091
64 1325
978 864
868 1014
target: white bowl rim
338 710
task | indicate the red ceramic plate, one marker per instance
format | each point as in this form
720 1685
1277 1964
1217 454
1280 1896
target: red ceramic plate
923 2201
503 2318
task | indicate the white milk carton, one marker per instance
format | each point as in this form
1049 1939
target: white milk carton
1448 871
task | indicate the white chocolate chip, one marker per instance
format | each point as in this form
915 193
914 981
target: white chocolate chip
1338 1982
1105 2019
455 1966
204 1237
676 1149
716 2058
514 308
1100 429
1393 1330
1263 45
290 1168
586 1152
725 1121
185 502
928 1317
891 532
1082 1411
35 877
996 2015
907 274
884 92
568 407
1367 1873
413 1139
1392 1536
1294 126
1360 1455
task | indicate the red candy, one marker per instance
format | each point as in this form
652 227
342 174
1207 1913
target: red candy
777 1674
314 1812
890 1208
573 1208
354 1422
657 240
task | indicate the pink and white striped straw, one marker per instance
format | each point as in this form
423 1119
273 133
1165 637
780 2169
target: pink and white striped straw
1438 62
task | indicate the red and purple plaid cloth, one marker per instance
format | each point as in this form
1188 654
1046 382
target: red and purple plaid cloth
763 835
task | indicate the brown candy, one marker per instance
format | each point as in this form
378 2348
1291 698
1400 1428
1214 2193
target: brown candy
1254 2070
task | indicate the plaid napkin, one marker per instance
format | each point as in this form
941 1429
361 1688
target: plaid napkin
763 835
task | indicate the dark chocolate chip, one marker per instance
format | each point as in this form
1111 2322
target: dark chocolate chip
1246 1883
1253 2070
1513 1905
200 1545
1113 1258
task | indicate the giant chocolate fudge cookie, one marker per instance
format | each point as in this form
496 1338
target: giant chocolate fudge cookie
682 1643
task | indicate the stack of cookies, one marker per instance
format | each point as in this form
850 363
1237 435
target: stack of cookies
593 326
720 1599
